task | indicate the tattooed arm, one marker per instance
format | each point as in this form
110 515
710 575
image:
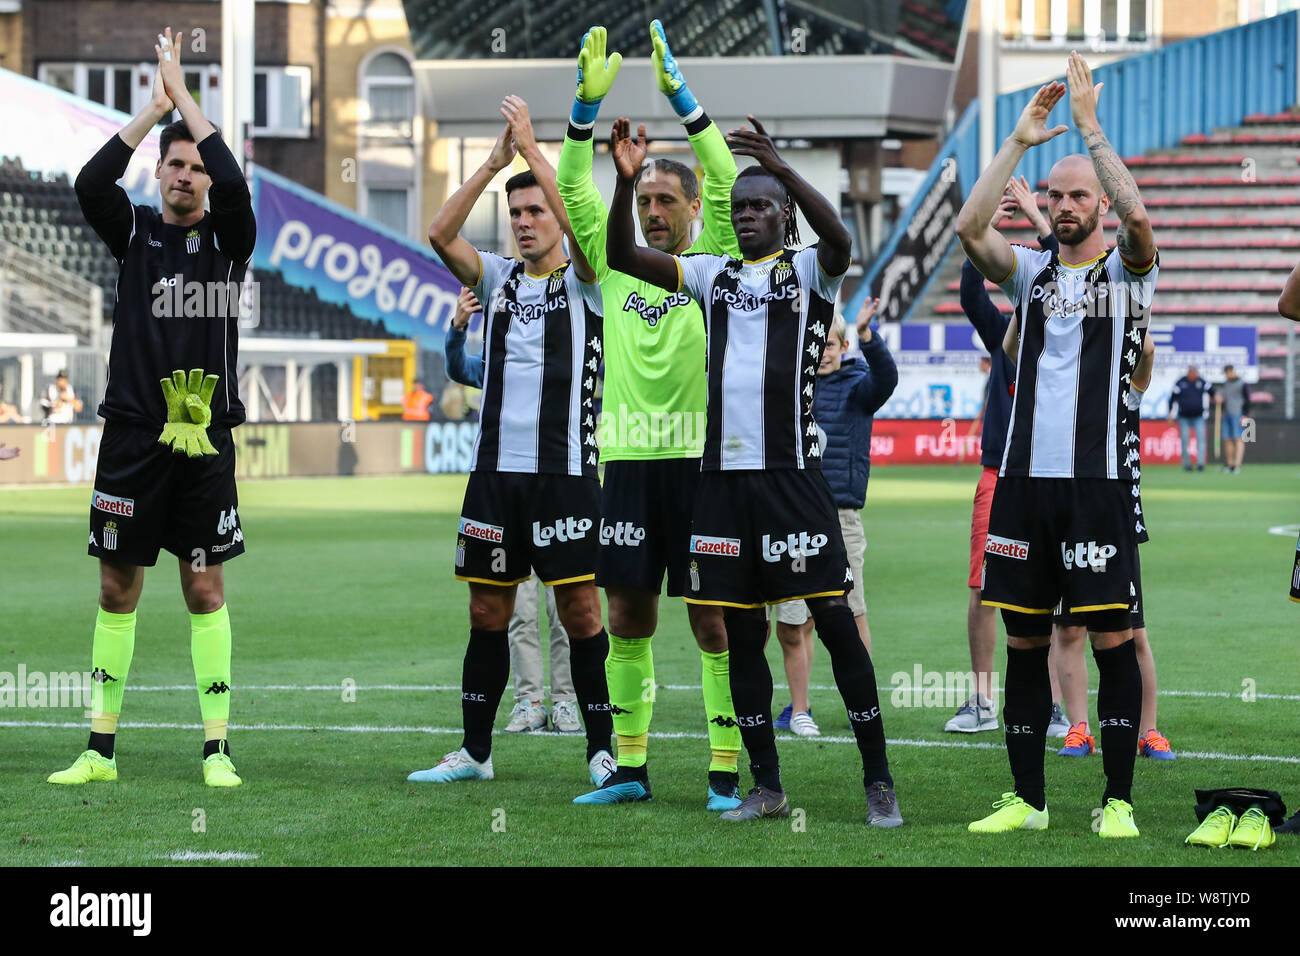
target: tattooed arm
1137 244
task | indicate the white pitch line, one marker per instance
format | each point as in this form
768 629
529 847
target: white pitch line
884 689
191 856
671 735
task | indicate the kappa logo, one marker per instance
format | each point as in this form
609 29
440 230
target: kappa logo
218 687
615 709
101 676
622 533
155 243
226 523
723 721
802 545
122 507
477 529
1007 547
723 547
564 529
1089 555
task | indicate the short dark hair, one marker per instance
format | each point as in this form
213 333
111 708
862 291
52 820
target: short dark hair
173 132
685 175
791 237
1229 368
520 181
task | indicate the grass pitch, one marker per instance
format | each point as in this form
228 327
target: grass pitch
347 584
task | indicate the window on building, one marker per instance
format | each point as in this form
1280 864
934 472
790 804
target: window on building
282 101
389 207
482 227
388 89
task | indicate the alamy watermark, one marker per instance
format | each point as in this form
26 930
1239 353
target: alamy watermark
940 689
40 689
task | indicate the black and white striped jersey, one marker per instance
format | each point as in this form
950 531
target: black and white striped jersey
1081 333
766 323
1133 440
542 353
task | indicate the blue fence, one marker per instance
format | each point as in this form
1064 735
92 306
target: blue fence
1185 88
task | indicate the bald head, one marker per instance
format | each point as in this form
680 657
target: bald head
1075 201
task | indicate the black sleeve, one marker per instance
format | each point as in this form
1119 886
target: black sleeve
1245 399
232 206
1049 242
104 203
988 320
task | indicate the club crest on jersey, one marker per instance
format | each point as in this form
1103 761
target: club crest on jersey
110 535
192 241
555 282
782 271
695 574
460 553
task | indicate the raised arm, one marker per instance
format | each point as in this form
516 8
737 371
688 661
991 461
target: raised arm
874 389
515 110
103 202
444 233
621 249
984 245
834 244
1137 244
1027 200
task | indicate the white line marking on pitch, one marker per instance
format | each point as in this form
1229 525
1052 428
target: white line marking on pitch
886 689
191 856
678 735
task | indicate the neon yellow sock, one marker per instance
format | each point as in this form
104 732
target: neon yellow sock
110 657
630 673
724 735
210 652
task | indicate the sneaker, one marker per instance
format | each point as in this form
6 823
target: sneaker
457 765
1078 742
564 717
624 785
1253 831
783 721
218 771
1290 826
724 791
972 717
1214 829
882 806
526 718
1154 744
802 724
1117 819
1011 813
91 766
760 804
601 766
1058 726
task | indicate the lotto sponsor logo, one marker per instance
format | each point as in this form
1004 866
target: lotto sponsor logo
1090 555
484 532
802 545
723 547
564 529
1007 547
125 507
623 533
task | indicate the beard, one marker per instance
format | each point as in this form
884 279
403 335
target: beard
1073 233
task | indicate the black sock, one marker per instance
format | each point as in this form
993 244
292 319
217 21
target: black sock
102 744
218 746
1026 711
723 781
1119 709
587 664
856 679
751 694
482 682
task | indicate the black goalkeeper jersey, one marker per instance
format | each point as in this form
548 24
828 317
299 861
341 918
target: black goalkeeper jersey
177 289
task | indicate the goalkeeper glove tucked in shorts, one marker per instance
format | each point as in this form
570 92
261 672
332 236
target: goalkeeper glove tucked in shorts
189 413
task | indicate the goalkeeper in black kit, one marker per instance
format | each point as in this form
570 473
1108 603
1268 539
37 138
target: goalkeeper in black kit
165 478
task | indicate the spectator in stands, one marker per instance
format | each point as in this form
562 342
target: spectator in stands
529 713
1234 396
60 402
850 390
9 414
415 406
1187 403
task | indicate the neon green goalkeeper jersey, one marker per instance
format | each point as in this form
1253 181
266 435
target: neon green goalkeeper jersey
655 395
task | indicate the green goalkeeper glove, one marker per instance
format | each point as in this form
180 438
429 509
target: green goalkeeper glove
189 413
596 74
669 75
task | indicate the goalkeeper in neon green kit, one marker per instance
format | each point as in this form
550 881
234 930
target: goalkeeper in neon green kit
652 430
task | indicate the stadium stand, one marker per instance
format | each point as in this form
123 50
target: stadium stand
41 216
1225 224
